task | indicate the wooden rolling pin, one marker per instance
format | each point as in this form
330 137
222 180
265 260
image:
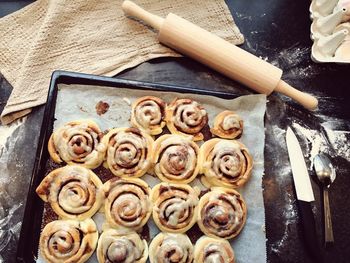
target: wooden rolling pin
211 50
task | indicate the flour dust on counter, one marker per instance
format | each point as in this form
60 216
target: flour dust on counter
10 222
290 217
338 133
291 61
333 142
314 142
7 130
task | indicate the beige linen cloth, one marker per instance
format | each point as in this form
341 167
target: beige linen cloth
88 36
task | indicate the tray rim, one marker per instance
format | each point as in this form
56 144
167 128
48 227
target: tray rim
27 246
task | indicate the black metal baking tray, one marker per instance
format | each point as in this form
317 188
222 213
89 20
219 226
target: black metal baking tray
29 237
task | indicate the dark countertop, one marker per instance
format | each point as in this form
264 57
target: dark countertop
278 31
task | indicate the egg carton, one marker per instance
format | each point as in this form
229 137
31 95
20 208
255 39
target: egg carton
330 30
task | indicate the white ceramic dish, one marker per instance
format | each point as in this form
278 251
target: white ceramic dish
330 31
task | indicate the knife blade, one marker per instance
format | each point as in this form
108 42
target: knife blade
300 174
305 195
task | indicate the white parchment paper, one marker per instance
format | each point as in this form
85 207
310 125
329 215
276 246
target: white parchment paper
79 101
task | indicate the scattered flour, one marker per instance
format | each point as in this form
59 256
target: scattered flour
337 143
318 143
244 17
341 142
6 131
9 221
290 216
6 147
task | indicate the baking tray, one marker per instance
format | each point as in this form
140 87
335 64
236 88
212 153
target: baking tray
31 225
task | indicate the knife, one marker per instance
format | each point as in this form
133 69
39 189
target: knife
305 195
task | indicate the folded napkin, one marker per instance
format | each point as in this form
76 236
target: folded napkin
88 36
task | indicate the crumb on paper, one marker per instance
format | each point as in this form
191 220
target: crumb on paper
263 228
127 101
101 107
81 108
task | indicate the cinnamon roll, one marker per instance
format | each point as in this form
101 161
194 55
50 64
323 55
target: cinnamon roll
222 213
68 240
78 142
74 192
148 114
175 159
174 207
225 163
116 247
167 247
207 250
127 203
227 125
186 117
129 151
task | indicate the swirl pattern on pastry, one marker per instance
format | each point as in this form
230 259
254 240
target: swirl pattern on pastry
78 142
68 240
186 117
227 125
225 163
207 250
222 213
74 192
174 207
167 247
124 248
175 159
148 114
129 151
127 203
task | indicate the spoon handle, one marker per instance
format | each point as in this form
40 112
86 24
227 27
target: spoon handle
328 229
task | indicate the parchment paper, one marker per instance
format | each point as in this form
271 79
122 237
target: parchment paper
79 101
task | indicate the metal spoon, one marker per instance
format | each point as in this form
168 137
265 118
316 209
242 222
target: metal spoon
326 175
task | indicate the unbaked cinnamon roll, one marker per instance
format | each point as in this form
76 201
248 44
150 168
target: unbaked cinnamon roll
175 159
129 151
222 213
208 250
225 163
148 114
124 248
74 192
186 117
167 247
227 125
78 142
127 203
174 207
68 240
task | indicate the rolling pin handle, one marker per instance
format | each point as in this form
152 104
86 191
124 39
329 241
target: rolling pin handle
305 99
132 9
